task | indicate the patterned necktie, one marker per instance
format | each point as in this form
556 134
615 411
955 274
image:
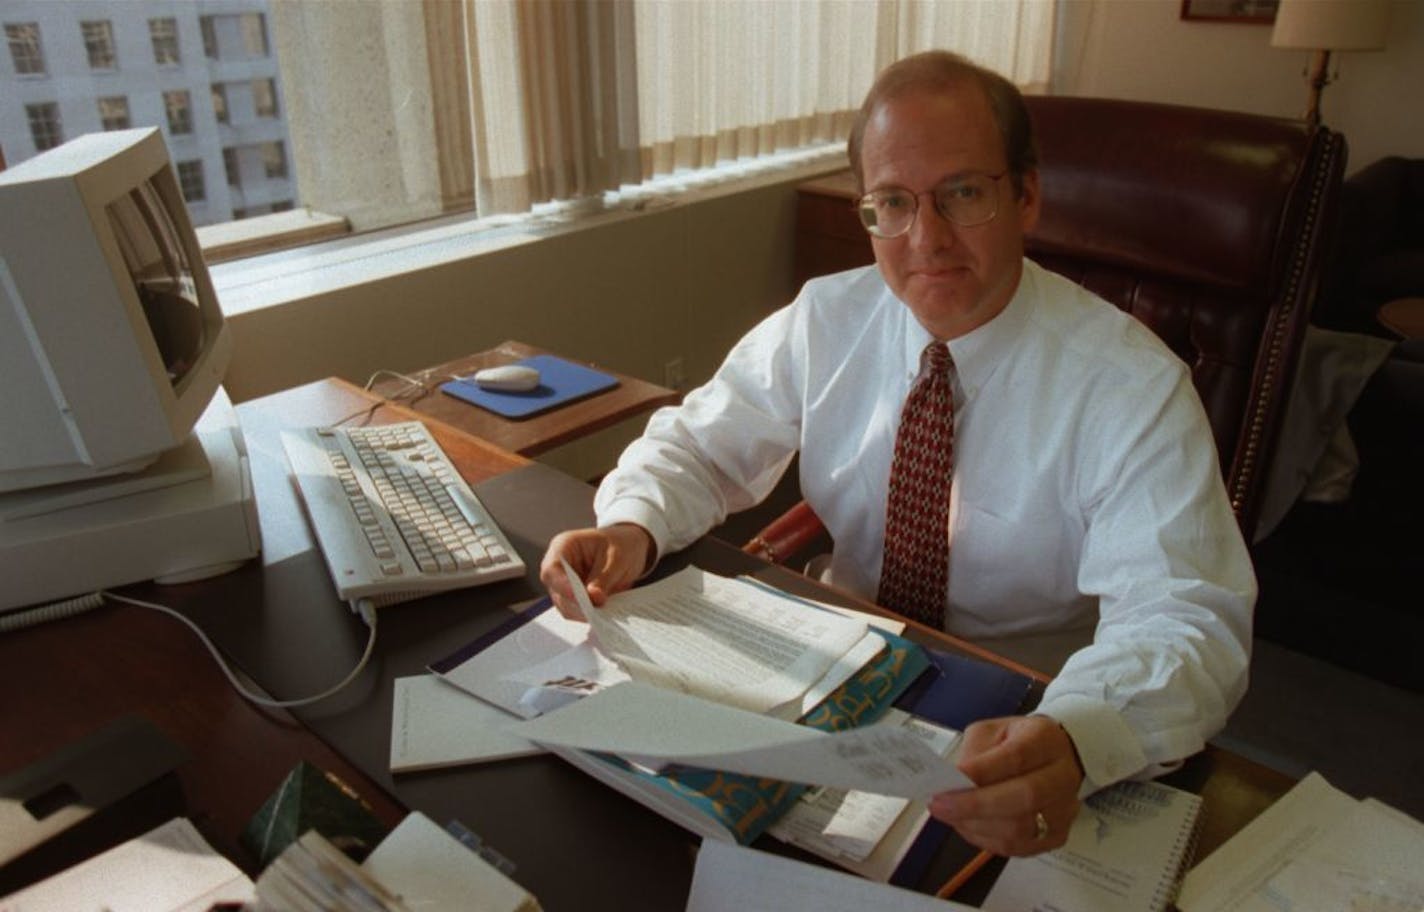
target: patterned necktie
914 577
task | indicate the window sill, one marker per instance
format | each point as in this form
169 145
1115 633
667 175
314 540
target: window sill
268 233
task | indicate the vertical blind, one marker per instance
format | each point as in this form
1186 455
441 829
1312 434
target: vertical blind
567 99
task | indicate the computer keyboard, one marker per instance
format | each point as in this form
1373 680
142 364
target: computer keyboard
394 520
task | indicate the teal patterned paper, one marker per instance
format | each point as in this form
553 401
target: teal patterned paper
747 805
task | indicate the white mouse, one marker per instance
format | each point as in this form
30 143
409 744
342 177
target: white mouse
508 378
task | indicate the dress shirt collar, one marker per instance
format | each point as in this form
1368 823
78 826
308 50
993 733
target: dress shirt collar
979 353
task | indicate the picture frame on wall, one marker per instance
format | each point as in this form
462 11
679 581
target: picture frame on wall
1259 12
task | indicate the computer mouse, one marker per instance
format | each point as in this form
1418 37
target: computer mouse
508 378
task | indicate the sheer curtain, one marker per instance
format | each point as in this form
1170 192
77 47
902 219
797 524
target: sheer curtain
571 98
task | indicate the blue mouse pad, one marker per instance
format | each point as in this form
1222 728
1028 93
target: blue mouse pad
560 382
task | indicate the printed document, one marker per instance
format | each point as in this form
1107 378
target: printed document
703 634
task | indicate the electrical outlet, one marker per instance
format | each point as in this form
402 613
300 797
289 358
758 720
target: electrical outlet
672 374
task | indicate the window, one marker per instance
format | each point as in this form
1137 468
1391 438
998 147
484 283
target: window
164 33
190 180
180 112
264 97
254 34
584 102
274 156
24 39
114 113
230 165
210 36
220 103
282 206
44 125
99 44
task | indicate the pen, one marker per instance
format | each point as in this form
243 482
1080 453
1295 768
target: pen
952 885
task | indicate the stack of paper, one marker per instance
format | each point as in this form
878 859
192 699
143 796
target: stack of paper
1316 848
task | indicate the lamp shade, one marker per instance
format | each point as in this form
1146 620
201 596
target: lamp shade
1334 25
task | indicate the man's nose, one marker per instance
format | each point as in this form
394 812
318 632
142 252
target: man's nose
931 230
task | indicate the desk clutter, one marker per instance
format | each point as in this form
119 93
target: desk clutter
730 708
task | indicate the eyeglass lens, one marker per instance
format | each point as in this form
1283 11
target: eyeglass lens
890 211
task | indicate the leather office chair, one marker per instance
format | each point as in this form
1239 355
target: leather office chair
1211 227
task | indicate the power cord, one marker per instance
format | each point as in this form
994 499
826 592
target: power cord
70 607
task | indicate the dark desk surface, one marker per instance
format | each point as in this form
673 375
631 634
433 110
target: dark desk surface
576 843
528 436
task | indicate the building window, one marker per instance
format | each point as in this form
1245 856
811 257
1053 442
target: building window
180 112
230 165
99 44
254 34
282 206
190 180
164 33
45 128
220 103
264 97
210 37
24 39
114 113
274 156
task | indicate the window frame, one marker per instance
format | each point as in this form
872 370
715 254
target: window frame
22 50
191 176
104 119
51 125
185 114
273 108
98 39
161 42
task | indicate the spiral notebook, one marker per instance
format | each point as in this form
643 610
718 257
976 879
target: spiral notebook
1127 851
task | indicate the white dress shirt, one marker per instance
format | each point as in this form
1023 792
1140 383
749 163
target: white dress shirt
1086 486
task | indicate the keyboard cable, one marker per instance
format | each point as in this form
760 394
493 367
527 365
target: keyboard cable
70 607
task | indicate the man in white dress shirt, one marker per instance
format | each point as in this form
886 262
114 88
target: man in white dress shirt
1085 482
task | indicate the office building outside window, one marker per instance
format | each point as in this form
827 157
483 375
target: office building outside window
24 40
114 113
45 128
220 103
51 90
179 106
190 181
164 33
274 156
264 97
99 44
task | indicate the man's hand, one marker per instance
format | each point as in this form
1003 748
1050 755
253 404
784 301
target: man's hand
608 560
1024 766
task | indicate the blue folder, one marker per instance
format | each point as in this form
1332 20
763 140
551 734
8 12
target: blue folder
560 382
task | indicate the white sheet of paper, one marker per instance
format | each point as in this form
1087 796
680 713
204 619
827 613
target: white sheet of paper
435 724
171 868
748 647
644 721
491 674
729 878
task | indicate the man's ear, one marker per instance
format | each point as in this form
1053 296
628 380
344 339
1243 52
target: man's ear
1028 202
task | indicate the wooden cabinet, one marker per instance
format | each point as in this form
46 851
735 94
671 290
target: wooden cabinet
829 236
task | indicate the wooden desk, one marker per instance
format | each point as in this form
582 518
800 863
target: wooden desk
530 436
576 844
829 236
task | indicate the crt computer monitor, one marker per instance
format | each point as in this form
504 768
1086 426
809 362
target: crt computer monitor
111 339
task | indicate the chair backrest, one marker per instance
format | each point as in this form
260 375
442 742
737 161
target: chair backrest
1211 227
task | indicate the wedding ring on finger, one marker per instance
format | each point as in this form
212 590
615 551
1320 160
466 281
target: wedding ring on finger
1040 824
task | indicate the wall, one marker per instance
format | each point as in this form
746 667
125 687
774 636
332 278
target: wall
1143 50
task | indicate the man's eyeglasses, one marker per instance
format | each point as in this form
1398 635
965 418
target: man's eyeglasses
966 201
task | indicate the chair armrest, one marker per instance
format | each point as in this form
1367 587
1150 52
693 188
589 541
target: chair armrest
787 535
